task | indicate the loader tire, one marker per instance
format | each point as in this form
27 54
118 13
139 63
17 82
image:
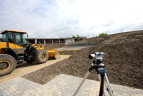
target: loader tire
41 56
7 64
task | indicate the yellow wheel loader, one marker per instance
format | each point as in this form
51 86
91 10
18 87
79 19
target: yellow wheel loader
14 50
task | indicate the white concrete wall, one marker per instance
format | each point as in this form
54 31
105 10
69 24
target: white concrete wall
69 41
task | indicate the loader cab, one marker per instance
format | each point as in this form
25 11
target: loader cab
15 37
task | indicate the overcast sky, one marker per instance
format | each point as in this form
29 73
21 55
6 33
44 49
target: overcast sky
65 18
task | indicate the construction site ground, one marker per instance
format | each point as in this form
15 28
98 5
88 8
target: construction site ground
26 68
123 63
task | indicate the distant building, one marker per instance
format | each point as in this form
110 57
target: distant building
50 40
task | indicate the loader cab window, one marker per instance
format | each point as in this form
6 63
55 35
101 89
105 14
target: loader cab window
18 38
24 41
4 39
10 37
7 37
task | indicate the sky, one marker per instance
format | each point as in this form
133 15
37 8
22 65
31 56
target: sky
65 18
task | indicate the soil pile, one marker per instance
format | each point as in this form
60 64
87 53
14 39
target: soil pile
123 60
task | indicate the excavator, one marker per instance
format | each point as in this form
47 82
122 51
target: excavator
14 50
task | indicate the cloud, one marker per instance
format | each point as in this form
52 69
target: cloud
65 18
107 24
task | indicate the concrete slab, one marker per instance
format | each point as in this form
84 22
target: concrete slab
61 85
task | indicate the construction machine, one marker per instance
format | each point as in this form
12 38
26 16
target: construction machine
14 50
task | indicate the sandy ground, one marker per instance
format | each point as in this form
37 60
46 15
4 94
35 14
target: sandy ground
27 68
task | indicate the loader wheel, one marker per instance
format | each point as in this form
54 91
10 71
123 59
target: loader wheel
41 56
7 64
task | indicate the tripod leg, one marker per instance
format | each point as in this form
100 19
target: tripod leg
99 76
85 77
108 85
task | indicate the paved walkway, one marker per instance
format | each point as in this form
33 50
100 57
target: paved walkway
61 85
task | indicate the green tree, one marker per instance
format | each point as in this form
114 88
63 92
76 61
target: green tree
102 35
73 36
77 36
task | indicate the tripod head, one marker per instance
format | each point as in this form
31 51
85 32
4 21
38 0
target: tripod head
97 64
97 57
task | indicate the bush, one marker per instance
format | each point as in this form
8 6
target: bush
102 35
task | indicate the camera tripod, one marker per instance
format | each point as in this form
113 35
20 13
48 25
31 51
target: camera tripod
99 67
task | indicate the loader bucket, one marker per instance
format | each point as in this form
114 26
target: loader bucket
53 54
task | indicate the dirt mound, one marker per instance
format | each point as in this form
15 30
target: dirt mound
123 60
